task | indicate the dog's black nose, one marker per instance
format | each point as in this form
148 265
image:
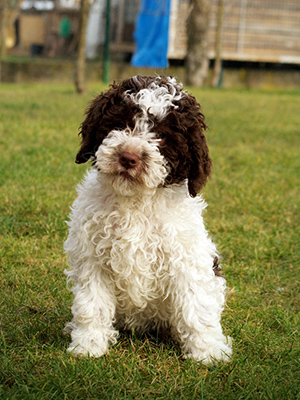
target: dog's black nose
129 160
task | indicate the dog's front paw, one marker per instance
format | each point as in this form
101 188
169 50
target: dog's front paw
212 353
88 349
94 343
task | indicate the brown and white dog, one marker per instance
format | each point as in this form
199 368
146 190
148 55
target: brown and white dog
139 254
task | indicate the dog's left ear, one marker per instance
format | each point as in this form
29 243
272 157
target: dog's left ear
201 164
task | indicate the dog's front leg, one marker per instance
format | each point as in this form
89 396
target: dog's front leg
93 317
196 313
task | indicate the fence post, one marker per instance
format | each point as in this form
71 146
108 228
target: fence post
106 63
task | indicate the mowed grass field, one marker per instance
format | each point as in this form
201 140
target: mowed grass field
253 216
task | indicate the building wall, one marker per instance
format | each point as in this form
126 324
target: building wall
32 30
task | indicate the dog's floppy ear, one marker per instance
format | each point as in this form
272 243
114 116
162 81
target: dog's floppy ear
201 164
90 129
96 126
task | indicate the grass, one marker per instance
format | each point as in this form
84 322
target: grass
253 216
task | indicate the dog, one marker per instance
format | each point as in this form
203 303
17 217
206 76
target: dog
139 254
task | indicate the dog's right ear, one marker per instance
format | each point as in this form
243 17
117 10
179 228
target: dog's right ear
90 130
94 128
108 111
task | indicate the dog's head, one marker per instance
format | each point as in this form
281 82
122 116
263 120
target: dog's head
146 132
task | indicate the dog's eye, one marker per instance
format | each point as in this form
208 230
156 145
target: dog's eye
160 136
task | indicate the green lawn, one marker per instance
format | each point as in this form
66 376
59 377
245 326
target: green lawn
253 216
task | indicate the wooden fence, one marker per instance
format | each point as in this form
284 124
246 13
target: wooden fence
253 30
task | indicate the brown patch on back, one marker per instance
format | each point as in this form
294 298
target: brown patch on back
217 268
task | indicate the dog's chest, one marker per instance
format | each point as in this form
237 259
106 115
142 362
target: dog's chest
134 249
141 246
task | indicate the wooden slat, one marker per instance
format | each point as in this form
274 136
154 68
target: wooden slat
271 29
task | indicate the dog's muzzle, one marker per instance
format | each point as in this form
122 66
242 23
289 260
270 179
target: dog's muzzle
129 160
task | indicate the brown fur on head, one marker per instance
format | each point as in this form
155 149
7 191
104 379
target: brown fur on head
183 143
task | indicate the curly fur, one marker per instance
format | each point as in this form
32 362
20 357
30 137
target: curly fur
138 250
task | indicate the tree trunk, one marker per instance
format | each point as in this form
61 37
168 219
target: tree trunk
3 28
197 61
8 14
216 81
80 63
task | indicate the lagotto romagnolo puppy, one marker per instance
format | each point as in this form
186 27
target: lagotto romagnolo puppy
139 254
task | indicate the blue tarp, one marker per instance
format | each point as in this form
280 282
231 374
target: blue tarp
152 34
